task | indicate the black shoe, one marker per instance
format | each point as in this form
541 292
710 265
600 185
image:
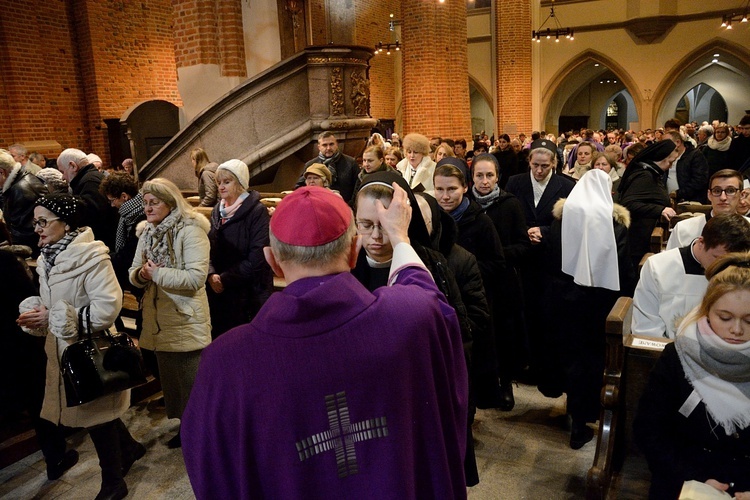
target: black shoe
54 471
579 437
128 459
507 401
114 491
175 442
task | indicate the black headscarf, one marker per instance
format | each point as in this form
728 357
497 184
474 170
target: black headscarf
417 228
647 158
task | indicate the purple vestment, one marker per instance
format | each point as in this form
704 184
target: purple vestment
333 392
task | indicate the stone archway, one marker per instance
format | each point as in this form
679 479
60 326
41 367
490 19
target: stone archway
481 108
728 76
573 78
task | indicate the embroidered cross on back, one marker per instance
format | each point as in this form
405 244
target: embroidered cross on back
341 435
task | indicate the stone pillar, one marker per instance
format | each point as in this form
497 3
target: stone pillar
341 21
435 95
513 63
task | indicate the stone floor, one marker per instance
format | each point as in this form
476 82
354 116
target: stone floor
520 454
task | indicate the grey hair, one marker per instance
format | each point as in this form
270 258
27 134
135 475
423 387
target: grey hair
7 162
72 155
707 129
317 255
19 148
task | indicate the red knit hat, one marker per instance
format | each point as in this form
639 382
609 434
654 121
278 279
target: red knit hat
311 216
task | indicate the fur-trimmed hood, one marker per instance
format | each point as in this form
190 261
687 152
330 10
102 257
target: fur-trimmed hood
619 213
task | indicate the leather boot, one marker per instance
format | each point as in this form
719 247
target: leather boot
132 450
107 443
507 401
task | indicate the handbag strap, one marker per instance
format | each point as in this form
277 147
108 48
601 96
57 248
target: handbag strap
81 331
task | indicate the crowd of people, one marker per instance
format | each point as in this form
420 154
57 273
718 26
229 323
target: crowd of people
422 279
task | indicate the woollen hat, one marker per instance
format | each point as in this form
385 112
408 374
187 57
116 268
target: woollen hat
91 157
239 169
67 207
320 170
310 216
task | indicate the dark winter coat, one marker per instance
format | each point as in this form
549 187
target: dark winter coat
508 161
692 175
237 256
18 207
678 448
98 214
643 193
507 216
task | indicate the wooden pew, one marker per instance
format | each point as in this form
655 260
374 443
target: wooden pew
629 360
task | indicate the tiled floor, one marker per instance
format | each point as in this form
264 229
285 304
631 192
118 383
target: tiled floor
521 454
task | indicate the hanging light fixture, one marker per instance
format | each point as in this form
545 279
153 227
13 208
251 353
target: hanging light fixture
734 17
557 30
391 46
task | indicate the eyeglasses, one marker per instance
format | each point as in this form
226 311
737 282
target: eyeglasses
153 203
367 227
112 200
730 191
42 222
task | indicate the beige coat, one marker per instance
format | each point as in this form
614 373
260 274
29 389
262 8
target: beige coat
82 275
423 176
175 306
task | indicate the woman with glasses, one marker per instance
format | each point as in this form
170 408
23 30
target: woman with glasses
75 272
171 265
239 278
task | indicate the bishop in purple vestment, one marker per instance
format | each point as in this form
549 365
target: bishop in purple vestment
333 391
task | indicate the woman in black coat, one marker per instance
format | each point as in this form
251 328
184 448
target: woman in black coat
477 234
507 215
693 418
240 281
643 193
507 160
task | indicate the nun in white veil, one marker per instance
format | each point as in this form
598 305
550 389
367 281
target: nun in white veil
588 247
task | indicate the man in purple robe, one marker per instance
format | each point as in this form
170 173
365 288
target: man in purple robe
333 391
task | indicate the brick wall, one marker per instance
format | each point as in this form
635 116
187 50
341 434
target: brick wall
435 97
373 17
67 66
513 34
209 32
41 93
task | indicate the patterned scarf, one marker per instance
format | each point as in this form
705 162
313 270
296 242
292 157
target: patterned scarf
51 251
227 212
131 212
330 163
159 240
719 372
486 201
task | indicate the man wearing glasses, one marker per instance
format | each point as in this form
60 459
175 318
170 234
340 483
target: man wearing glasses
739 150
725 189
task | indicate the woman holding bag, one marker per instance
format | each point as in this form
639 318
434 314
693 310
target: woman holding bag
75 272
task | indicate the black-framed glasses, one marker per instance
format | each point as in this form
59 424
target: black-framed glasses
42 222
730 191
367 227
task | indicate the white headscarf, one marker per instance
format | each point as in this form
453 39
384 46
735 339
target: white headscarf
589 249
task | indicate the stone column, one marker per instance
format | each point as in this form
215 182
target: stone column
435 90
513 63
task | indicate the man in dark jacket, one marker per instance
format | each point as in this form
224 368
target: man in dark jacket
689 172
739 150
20 191
84 180
344 169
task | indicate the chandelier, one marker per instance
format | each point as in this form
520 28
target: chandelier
728 19
555 30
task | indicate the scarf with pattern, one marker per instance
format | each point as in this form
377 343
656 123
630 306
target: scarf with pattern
159 240
131 212
51 251
330 163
